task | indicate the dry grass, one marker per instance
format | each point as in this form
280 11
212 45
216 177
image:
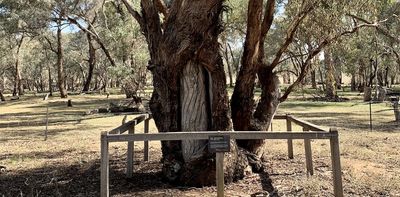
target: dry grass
67 163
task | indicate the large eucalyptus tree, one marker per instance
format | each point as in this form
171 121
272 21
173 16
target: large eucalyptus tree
189 79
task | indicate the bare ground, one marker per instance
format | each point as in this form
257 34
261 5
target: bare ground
67 164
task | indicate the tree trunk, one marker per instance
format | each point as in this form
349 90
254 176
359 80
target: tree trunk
92 63
229 65
184 55
387 70
353 83
330 91
396 110
313 80
2 98
338 72
242 104
321 76
50 82
265 110
17 83
60 66
362 77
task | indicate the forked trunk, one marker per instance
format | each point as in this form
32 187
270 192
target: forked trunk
265 110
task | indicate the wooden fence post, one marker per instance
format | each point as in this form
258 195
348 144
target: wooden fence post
130 154
220 173
307 147
104 167
289 141
146 143
336 167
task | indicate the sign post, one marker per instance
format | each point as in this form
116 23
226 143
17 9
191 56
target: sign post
219 145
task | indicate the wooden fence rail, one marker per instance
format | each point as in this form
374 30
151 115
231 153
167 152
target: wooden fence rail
310 131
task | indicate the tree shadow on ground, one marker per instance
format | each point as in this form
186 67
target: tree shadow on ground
55 118
348 121
83 179
77 104
38 154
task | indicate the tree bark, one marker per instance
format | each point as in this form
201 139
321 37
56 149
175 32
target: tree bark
184 53
2 98
313 80
91 62
353 82
60 64
242 103
228 64
321 77
17 83
50 82
330 91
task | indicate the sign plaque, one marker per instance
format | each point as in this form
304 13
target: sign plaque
219 143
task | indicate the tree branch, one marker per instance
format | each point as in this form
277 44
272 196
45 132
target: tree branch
290 35
379 28
307 63
268 18
134 13
161 7
50 44
95 37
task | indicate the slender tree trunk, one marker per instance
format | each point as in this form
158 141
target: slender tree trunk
50 82
392 80
361 77
235 61
313 80
337 67
321 76
2 82
41 84
353 83
2 98
229 65
330 91
387 70
60 65
92 63
17 82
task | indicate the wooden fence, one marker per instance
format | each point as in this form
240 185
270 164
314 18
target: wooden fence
309 132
